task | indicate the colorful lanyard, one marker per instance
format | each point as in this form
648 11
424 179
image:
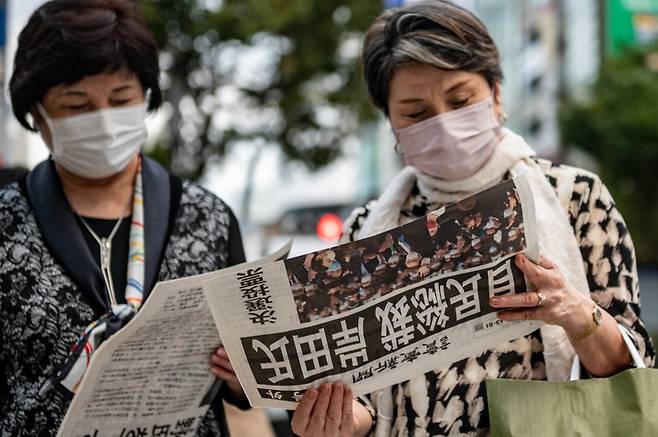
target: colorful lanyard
73 370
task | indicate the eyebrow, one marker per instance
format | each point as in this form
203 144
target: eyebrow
449 90
457 85
410 100
73 93
78 93
122 88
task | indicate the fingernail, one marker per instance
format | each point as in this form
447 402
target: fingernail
494 301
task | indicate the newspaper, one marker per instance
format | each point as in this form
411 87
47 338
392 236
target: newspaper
381 310
152 378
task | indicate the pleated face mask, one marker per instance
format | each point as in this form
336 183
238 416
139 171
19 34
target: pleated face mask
453 145
97 144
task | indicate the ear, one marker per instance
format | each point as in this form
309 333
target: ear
498 102
396 147
497 93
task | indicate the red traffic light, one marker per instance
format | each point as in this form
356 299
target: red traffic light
329 228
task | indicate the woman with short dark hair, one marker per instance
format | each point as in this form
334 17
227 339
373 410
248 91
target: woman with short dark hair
434 71
86 234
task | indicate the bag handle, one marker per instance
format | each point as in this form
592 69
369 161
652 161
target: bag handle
637 359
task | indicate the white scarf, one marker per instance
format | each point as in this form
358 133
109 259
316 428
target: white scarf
557 242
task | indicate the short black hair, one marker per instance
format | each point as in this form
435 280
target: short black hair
67 40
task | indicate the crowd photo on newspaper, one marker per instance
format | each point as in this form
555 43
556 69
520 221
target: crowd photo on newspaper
470 233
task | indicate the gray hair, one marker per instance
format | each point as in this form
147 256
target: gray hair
434 32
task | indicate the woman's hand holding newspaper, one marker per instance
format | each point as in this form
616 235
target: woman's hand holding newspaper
330 411
223 369
593 333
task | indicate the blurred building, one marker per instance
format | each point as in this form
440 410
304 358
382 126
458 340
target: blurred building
3 105
548 47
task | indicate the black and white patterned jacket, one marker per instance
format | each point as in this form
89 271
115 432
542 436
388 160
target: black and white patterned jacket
51 288
455 397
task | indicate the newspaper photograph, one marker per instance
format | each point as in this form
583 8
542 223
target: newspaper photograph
381 310
153 376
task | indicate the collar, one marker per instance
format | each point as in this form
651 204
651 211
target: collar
156 184
64 238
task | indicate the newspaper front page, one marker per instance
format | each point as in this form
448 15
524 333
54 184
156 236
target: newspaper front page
378 311
152 378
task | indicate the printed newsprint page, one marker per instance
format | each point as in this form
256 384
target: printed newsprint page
152 378
381 310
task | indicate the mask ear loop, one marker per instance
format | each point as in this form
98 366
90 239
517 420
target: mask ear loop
503 116
44 115
46 119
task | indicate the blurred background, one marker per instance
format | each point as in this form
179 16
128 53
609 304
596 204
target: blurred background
265 107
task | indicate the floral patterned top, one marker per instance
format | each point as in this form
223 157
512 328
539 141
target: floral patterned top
43 310
454 399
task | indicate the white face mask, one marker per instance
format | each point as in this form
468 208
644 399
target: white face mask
97 144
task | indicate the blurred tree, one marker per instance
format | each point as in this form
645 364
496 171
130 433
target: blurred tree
618 126
260 72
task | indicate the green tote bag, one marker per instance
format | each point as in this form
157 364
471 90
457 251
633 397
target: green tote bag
624 405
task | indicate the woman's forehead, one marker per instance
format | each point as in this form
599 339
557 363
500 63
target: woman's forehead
419 78
105 82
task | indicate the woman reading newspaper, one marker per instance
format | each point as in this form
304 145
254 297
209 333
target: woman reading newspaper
87 234
433 70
